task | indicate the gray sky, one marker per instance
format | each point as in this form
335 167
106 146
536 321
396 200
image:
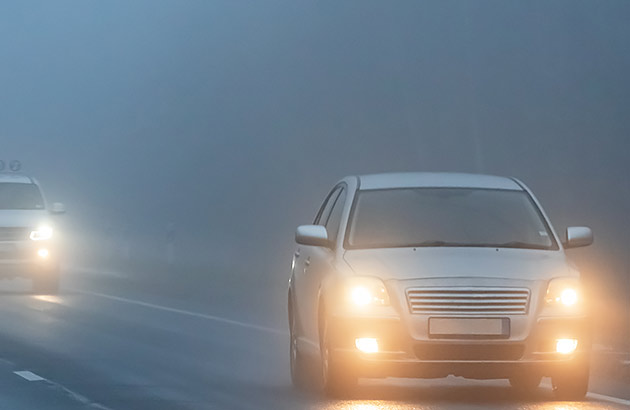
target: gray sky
232 119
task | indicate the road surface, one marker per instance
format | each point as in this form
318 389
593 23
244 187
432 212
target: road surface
99 347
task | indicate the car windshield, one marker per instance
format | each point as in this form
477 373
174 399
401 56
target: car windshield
436 217
20 196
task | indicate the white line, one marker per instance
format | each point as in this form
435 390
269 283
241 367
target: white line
611 399
93 271
597 396
185 312
30 376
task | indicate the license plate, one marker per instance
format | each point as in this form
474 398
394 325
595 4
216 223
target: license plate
469 328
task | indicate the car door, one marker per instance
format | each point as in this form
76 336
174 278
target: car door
306 261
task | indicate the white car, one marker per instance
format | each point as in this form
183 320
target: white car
27 237
427 275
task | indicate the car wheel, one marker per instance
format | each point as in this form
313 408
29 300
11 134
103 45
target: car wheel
525 383
572 383
298 367
336 380
46 282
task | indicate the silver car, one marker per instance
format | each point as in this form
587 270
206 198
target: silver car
28 245
427 275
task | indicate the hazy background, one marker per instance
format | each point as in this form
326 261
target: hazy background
230 120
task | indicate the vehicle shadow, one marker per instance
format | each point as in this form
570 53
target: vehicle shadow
401 395
444 392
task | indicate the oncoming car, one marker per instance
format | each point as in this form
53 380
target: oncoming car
426 275
27 238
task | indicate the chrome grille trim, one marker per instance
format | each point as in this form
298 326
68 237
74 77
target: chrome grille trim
14 255
14 234
468 300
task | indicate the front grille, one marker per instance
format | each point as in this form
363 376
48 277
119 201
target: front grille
469 352
14 234
468 300
14 254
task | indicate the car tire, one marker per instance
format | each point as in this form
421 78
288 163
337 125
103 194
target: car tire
572 383
336 380
525 382
46 282
297 361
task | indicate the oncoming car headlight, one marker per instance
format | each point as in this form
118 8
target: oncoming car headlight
564 291
42 233
366 291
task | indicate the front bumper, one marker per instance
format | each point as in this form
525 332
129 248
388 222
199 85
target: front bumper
400 355
21 259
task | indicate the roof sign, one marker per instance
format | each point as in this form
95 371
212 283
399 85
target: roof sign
15 165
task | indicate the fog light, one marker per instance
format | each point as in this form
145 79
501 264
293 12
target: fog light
43 253
566 346
367 345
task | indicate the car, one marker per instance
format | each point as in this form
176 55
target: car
426 275
28 245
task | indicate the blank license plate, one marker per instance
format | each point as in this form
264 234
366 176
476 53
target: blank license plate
469 327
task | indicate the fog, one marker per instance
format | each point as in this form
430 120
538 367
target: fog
230 121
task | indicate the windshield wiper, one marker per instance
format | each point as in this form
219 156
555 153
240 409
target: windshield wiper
517 244
512 244
429 244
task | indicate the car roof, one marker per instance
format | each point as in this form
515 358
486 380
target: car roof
15 179
436 180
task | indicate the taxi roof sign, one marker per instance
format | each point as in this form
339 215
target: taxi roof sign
14 165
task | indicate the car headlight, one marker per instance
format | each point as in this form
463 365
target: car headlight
42 233
564 291
364 291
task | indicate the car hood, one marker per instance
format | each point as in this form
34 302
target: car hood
427 263
22 218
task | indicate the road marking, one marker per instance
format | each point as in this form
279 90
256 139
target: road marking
30 376
185 312
94 271
611 399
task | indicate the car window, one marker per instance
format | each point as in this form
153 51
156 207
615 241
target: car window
324 210
20 196
332 225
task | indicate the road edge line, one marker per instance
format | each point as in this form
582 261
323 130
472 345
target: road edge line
610 399
33 377
183 312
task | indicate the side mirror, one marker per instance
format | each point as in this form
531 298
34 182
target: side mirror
312 235
578 236
58 208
